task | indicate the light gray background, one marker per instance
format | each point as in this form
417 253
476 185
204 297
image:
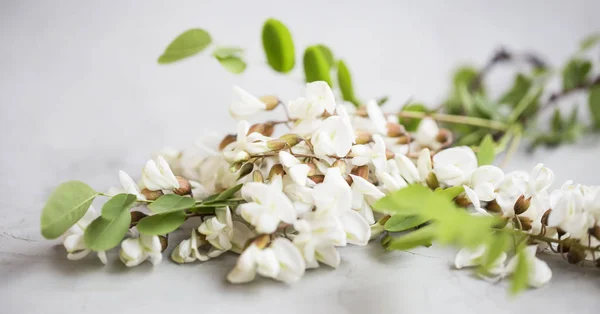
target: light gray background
82 97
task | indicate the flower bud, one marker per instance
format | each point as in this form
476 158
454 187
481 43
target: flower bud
565 246
432 181
276 144
403 140
291 139
276 170
151 195
235 167
136 216
241 156
493 207
560 232
164 242
257 176
246 170
462 201
522 204
228 139
395 129
363 137
271 101
545 216
575 255
389 154
361 171
444 137
523 222
313 169
595 232
261 241
317 178
349 180
341 165
184 186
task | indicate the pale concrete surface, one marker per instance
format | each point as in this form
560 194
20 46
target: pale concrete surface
82 97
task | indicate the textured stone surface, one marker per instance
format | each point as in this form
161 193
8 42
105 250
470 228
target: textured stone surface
82 97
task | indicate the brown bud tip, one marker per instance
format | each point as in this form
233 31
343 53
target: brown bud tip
184 186
164 242
228 139
444 137
493 207
313 169
276 170
389 154
136 216
363 137
362 112
575 255
257 176
403 140
257 128
432 181
261 241
271 101
395 129
276 144
269 129
291 139
462 201
522 204
151 195
545 216
595 232
340 164
361 171
349 180
317 178
560 232
524 223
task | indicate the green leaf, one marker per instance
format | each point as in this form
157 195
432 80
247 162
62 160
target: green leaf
66 205
420 237
315 66
382 100
451 192
171 203
520 277
345 81
327 54
226 52
594 104
486 153
518 90
407 200
575 73
557 123
464 76
234 65
496 247
411 124
161 224
589 42
399 223
227 194
278 45
118 203
104 234
185 45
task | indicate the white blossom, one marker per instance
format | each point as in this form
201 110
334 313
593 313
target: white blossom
335 136
218 229
136 250
424 164
246 106
539 273
73 238
317 238
363 193
540 179
245 144
157 175
426 134
485 180
129 186
187 250
297 170
473 257
365 154
377 117
568 212
334 195
407 169
453 166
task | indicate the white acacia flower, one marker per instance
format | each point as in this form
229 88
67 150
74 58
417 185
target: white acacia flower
334 195
245 144
591 200
485 180
377 117
426 134
335 136
453 166
157 175
358 230
320 94
390 180
301 197
187 250
407 169
218 229
424 165
281 261
246 106
540 179
539 272
267 205
514 185
472 196
473 257
568 212
73 238
365 154
364 193
134 251
294 168
317 238
129 186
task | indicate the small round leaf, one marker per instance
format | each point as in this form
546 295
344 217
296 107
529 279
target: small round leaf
185 45
278 45
104 234
161 224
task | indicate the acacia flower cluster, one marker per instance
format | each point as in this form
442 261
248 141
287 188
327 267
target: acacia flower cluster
285 195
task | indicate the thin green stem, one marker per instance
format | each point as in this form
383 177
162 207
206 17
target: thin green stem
443 117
